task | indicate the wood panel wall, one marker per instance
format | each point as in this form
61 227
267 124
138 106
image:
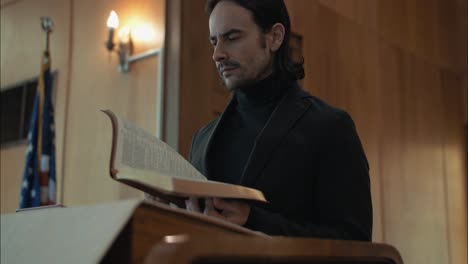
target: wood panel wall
87 82
399 68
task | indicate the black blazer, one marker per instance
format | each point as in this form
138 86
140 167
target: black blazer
310 164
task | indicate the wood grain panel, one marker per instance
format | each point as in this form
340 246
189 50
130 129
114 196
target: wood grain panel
363 12
455 163
321 58
345 8
423 33
391 84
451 28
304 15
199 79
427 28
412 174
423 175
465 95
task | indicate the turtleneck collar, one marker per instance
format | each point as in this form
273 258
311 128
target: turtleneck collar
263 93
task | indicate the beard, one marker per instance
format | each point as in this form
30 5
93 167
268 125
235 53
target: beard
230 86
242 82
234 85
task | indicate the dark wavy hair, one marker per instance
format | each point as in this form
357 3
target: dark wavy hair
266 13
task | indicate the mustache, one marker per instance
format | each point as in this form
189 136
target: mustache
227 64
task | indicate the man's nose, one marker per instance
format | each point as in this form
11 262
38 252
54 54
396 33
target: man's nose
219 54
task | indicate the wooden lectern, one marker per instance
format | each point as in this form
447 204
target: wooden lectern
153 223
136 231
226 249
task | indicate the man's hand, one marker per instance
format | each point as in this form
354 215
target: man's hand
232 211
151 198
165 199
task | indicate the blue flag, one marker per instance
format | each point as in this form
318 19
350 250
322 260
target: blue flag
38 185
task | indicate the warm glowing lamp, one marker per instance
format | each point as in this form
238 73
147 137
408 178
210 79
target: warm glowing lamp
124 35
126 56
112 24
125 44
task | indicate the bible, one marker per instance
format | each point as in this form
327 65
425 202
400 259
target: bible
142 161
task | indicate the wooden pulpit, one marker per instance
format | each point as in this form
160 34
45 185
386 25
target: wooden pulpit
229 250
136 231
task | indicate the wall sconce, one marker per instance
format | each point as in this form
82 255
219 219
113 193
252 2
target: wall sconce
125 44
126 57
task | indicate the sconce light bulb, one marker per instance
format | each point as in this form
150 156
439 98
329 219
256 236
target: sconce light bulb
113 20
112 24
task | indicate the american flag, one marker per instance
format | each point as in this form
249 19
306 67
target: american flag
38 185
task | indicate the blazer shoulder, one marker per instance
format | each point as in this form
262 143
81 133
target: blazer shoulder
322 110
316 104
324 118
199 141
206 130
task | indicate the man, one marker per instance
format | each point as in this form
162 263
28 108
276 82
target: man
303 154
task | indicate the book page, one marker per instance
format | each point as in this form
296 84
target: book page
138 149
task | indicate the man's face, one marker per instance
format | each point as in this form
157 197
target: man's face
240 50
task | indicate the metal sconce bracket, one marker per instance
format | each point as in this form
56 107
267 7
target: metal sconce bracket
125 58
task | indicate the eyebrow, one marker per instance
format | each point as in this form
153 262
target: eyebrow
225 34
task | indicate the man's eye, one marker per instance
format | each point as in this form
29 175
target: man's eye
231 38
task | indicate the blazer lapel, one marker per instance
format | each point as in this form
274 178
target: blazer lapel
206 147
288 111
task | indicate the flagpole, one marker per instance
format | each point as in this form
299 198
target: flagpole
47 25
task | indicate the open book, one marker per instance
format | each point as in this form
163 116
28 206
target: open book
146 163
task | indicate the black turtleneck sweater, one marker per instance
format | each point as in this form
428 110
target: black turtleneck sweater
236 134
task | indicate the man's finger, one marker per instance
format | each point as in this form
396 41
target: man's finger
152 198
210 209
209 204
225 205
192 205
235 212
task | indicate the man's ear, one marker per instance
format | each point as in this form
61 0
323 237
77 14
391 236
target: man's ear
277 36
